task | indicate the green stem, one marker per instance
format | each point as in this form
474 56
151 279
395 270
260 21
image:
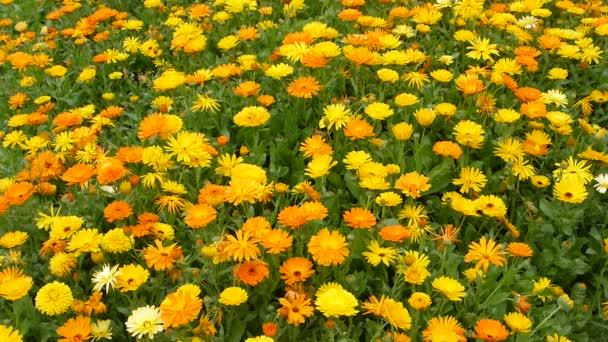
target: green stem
544 320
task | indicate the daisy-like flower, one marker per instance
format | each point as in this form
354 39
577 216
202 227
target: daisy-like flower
145 321
481 48
376 254
485 252
106 277
602 183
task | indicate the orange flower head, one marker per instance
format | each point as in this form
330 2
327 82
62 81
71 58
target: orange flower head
251 272
276 241
304 87
75 329
294 270
200 215
180 308
110 170
19 193
396 233
490 330
162 257
359 218
117 211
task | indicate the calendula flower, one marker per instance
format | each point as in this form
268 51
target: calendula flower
319 166
485 252
54 298
444 328
145 321
449 287
334 301
233 296
490 330
376 254
518 322
105 278
328 248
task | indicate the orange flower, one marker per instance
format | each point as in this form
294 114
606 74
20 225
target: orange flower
19 193
350 14
534 109
485 252
298 37
469 85
180 308
212 194
112 112
17 101
117 211
110 170
162 257
45 166
328 248
360 56
130 154
292 217
276 241
412 184
200 215
258 226
251 272
270 329
4 205
37 118
242 246
358 129
296 308
78 174
295 270
67 119
304 87
75 329
314 60
490 330
396 233
247 89
527 94
519 249
359 218
447 149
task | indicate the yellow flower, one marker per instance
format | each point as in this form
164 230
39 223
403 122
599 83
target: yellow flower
558 74
54 298
56 71
379 111
233 296
168 80
402 131
442 75
251 116
518 322
420 301
334 301
388 75
319 166
86 74
449 287
228 42
13 239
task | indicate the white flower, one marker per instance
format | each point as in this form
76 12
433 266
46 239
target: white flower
106 277
145 320
602 183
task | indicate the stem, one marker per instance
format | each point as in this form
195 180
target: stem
544 320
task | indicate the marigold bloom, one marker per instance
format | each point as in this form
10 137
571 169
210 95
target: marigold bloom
131 277
396 233
490 330
485 252
412 184
359 218
200 215
75 329
334 301
358 129
110 170
469 133
242 246
54 298
144 321
449 287
447 149
296 308
517 322
179 308
19 193
9 334
420 301
297 269
328 248
470 179
251 272
276 241
233 296
251 116
162 257
444 328
117 210
14 284
304 87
